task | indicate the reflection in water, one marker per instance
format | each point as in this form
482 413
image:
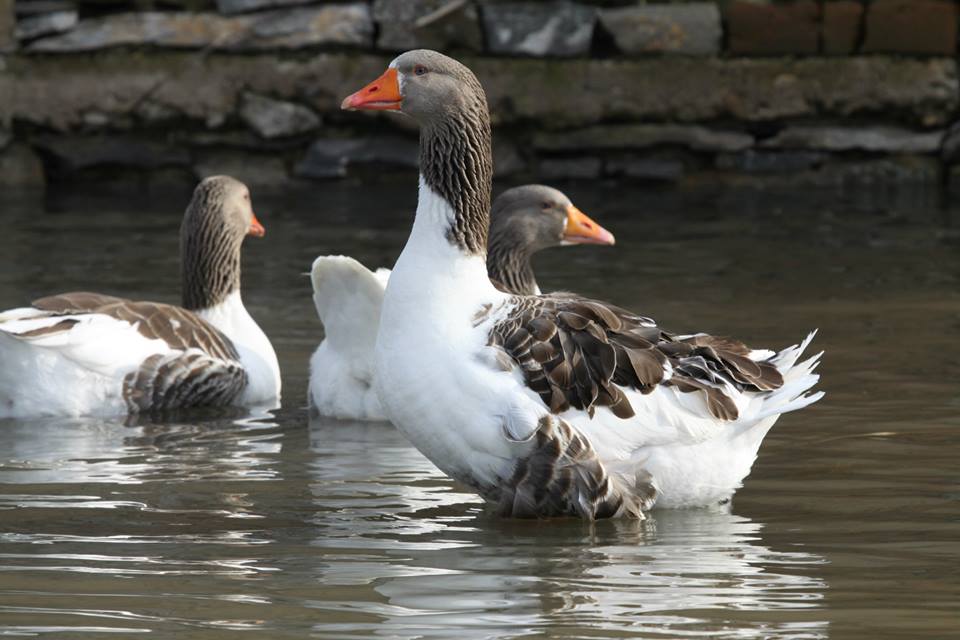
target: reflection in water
123 450
439 561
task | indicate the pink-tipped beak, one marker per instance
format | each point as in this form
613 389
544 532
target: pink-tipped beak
383 94
581 229
256 229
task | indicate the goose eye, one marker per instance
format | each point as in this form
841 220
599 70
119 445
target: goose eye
419 70
545 205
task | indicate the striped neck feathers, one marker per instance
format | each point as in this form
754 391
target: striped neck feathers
456 163
209 262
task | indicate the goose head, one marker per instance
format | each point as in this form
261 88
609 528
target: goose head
425 85
528 219
541 217
220 215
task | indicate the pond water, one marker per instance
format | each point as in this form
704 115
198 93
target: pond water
278 526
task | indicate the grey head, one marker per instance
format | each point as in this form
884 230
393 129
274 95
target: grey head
528 219
218 218
447 101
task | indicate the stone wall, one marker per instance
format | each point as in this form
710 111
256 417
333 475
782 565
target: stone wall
796 92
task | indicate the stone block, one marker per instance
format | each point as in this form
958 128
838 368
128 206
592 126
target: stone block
881 139
911 26
764 162
539 29
639 136
75 153
653 168
431 24
580 168
341 24
772 29
691 29
574 93
276 118
841 26
332 158
55 91
242 6
257 170
950 149
21 168
507 159
45 24
7 23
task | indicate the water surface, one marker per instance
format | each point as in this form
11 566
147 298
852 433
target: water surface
227 525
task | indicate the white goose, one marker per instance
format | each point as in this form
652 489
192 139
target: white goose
93 354
348 296
553 404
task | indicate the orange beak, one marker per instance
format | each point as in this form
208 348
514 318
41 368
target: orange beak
256 229
383 94
581 229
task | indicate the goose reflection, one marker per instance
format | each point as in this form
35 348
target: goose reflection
435 559
221 445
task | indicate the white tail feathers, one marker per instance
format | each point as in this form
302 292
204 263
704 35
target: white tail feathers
797 380
348 297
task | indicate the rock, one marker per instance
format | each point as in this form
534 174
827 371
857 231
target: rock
772 29
255 169
275 118
242 6
911 26
881 171
343 24
950 149
21 168
656 168
49 92
44 24
507 160
27 8
7 21
539 29
841 26
331 157
431 24
751 161
881 139
691 29
922 91
75 153
639 136
145 28
152 112
569 168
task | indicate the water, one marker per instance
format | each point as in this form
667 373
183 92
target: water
234 526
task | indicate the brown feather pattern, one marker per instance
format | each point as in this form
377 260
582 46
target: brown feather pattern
579 353
563 476
203 370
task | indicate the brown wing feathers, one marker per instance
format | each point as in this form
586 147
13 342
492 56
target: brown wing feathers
578 353
203 370
179 328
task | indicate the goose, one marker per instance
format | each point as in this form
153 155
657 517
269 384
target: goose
348 296
554 404
85 353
